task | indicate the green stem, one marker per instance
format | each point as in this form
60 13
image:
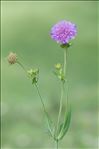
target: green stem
65 58
60 108
41 98
65 69
22 66
35 85
62 91
57 144
46 114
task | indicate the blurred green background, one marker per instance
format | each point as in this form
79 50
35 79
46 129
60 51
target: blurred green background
25 30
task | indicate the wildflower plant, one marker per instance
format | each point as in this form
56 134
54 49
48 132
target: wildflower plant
62 32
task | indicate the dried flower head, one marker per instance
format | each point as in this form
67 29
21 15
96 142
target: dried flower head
12 58
63 32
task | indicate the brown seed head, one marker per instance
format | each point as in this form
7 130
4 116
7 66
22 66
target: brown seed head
12 58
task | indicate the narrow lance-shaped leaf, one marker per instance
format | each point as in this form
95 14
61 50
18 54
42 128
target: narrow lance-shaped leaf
65 125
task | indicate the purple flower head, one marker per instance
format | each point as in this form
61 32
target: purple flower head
63 32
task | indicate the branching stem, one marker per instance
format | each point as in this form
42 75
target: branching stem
45 112
62 91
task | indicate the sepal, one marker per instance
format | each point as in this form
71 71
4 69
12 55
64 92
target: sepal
67 45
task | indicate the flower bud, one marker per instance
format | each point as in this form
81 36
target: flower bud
33 74
12 58
59 72
58 66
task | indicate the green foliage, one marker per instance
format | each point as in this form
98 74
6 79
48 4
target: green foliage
64 127
33 74
25 28
50 125
59 72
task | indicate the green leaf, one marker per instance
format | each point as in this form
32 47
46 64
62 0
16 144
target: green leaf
34 80
65 125
60 127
